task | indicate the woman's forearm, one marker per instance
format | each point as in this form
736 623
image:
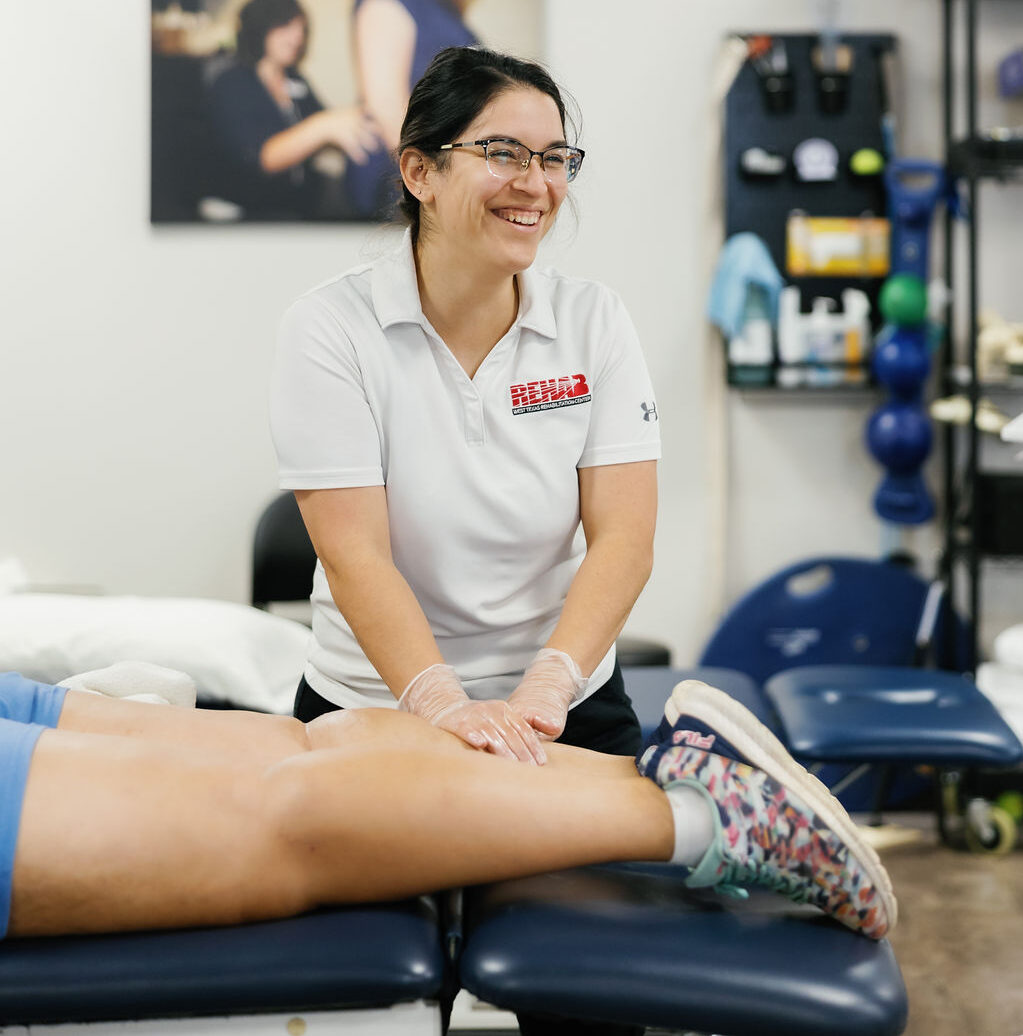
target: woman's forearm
350 532
292 146
387 620
601 596
618 508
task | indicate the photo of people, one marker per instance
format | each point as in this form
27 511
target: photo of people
290 110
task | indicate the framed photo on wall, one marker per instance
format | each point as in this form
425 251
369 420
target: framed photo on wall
290 110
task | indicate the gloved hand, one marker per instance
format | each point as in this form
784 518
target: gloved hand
551 683
437 696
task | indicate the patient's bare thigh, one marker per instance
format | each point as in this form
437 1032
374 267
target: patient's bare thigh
119 833
250 735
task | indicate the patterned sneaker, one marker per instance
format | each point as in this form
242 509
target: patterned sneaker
776 825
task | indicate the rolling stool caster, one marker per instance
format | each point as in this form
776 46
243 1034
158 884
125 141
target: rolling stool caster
983 826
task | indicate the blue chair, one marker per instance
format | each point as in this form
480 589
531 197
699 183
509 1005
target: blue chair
837 611
837 645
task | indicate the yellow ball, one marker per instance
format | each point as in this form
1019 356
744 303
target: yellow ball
867 162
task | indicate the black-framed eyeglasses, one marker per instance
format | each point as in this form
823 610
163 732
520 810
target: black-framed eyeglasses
507 158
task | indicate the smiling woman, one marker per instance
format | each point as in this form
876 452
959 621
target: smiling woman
448 417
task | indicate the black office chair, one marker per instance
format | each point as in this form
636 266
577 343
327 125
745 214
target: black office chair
283 561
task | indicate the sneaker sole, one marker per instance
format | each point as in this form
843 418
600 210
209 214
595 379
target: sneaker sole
737 725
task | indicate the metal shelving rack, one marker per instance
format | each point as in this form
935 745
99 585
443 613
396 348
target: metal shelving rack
973 158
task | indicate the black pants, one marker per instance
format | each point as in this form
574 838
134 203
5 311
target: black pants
604 722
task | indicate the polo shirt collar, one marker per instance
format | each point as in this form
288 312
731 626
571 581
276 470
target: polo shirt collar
396 294
535 310
395 289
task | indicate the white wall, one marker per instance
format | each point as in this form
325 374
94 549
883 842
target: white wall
135 452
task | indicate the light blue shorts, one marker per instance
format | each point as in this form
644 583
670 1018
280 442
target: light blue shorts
26 710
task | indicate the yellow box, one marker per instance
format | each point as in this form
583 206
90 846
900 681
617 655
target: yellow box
827 246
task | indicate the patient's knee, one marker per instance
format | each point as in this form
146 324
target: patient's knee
355 727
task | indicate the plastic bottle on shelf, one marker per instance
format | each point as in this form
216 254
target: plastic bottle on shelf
824 348
791 340
751 352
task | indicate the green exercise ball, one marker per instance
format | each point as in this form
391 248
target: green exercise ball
903 299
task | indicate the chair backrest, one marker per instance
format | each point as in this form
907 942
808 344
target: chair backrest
831 611
283 558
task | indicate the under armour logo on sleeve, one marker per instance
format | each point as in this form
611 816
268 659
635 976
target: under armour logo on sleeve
649 411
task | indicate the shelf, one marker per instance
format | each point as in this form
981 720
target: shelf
809 377
983 514
1009 561
960 376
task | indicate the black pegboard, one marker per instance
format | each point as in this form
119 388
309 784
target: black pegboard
762 205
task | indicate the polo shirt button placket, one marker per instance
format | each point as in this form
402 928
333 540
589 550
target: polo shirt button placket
472 409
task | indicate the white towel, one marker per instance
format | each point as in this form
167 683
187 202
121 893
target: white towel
1003 686
137 681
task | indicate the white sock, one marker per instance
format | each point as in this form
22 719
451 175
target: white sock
694 824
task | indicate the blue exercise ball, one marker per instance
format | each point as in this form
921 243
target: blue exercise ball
899 436
901 360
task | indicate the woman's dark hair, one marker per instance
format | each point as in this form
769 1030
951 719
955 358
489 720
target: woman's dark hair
458 84
256 19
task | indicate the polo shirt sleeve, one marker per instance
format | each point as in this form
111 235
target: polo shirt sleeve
323 427
623 421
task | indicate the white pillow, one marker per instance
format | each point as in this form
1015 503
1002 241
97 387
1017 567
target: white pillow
1003 685
1008 647
235 654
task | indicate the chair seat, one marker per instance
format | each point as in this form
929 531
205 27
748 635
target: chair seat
353 958
836 713
632 945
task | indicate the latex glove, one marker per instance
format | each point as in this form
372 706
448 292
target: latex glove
551 683
437 696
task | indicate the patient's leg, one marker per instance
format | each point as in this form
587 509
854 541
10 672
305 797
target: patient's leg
261 738
119 833
461 816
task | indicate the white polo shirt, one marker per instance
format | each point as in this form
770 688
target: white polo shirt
480 473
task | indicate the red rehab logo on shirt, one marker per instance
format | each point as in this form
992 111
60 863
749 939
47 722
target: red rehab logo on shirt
549 393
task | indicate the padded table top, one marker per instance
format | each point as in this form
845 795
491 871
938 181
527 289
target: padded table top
631 944
356 957
889 713
650 686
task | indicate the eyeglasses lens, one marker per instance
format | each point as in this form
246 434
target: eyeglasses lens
506 159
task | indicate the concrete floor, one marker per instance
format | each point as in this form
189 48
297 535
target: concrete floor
959 941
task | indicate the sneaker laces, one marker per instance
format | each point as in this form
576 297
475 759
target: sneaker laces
738 875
